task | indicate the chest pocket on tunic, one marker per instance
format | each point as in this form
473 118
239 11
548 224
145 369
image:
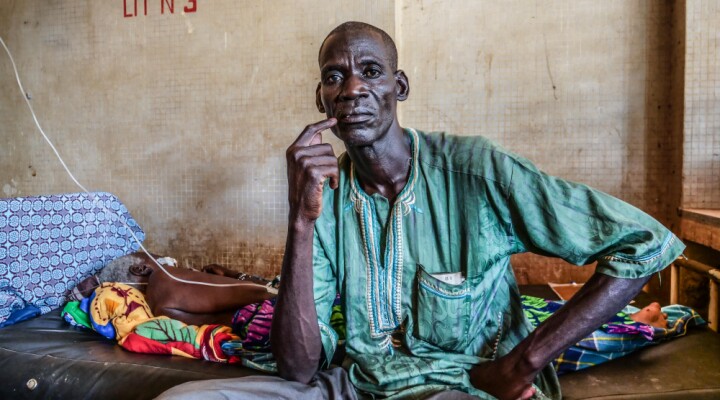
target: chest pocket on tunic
443 312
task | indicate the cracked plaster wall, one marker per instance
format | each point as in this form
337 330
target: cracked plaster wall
186 117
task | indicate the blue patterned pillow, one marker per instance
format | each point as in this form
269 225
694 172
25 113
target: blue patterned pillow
50 243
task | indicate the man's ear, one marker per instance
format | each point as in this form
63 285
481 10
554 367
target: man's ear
318 102
141 269
402 84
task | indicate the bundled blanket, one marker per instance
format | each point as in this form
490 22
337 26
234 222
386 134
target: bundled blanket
252 324
252 347
618 337
120 312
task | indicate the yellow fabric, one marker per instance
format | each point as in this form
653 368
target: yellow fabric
125 306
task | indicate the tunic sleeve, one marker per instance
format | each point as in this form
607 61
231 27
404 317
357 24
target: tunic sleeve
554 217
324 288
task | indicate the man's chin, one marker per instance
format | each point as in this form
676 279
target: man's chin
356 136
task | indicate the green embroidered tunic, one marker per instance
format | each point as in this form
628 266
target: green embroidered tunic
468 205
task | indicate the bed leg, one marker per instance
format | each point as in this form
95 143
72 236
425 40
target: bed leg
713 306
674 283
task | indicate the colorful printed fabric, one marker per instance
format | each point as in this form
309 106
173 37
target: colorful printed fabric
118 311
164 335
50 243
337 321
14 309
615 339
116 308
252 323
74 315
252 348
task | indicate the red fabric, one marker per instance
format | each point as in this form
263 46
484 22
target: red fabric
140 344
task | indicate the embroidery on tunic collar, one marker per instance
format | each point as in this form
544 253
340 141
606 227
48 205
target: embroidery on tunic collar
384 275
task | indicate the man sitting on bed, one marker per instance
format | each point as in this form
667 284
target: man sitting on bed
414 231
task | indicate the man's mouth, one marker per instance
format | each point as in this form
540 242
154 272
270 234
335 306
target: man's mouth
354 117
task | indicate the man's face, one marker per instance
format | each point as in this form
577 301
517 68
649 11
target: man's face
358 86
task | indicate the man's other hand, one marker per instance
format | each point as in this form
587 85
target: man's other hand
502 379
309 163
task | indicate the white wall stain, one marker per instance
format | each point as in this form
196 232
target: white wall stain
10 189
189 24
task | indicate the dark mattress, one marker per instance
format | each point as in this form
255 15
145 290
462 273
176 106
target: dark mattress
72 363
45 358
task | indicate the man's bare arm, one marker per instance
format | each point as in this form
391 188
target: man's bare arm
511 376
295 334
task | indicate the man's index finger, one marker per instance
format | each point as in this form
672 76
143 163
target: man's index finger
307 135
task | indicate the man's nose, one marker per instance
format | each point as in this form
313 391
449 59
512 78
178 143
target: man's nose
354 87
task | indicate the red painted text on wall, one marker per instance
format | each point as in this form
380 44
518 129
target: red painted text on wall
133 8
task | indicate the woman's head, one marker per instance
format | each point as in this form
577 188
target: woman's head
132 268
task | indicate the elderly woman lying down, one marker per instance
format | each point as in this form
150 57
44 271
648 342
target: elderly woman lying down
191 303
232 323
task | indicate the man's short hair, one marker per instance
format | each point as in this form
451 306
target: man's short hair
354 26
118 270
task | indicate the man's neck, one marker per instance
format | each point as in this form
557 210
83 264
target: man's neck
384 166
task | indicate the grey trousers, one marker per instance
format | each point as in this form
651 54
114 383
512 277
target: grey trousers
332 384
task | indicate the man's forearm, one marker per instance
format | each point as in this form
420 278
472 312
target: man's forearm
599 299
295 337
592 306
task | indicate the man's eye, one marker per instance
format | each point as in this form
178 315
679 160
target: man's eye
334 78
372 73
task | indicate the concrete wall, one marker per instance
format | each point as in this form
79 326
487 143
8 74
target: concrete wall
186 116
581 88
701 161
